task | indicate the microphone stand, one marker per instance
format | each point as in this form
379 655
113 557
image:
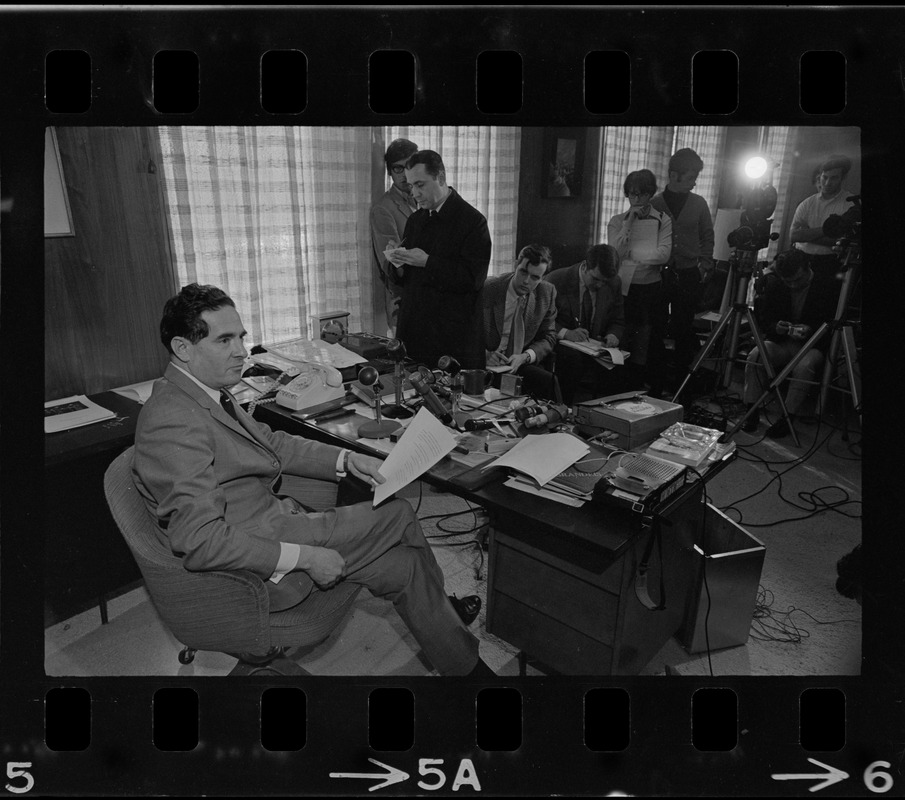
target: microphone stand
378 428
397 411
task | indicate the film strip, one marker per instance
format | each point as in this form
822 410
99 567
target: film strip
539 735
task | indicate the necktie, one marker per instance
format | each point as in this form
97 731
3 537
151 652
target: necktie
517 331
227 402
587 309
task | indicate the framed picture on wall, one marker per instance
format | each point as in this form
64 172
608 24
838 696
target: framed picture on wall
563 163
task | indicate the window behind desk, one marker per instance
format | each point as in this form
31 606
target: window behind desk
278 216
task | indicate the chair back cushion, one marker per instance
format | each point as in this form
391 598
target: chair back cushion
226 611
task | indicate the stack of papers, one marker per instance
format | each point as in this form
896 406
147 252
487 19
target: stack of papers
544 456
73 412
317 351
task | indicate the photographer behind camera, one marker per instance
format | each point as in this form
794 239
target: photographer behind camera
832 198
794 304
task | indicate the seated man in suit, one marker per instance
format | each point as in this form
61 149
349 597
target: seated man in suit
229 493
519 316
793 306
589 305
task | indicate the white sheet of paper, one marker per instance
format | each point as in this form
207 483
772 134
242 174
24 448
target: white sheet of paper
499 368
544 456
615 354
425 441
645 233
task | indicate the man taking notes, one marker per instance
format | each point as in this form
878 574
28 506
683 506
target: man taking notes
441 266
520 321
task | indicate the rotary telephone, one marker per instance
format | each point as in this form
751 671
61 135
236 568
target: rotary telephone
314 385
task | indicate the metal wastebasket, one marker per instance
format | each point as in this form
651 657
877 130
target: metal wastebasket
733 560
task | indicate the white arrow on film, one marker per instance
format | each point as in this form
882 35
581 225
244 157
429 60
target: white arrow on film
830 777
392 775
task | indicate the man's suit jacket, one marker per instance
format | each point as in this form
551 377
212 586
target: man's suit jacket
540 315
440 309
609 314
213 484
388 218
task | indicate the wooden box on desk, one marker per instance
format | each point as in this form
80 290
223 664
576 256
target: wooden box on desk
569 601
632 430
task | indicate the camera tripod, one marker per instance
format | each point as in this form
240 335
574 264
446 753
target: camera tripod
743 265
843 334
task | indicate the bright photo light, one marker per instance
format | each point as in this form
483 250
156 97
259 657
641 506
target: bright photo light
755 167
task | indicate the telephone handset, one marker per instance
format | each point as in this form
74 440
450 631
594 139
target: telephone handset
315 384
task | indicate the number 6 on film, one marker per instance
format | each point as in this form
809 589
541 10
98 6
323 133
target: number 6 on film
19 769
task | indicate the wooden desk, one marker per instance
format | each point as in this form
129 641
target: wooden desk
86 557
561 580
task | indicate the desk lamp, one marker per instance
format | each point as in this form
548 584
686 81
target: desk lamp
396 351
378 428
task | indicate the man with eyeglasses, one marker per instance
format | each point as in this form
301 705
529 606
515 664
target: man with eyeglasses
388 217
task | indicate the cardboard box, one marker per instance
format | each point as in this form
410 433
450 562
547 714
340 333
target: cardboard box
635 419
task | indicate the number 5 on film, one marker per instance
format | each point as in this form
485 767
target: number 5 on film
19 769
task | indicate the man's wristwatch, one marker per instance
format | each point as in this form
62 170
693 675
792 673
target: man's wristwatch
346 458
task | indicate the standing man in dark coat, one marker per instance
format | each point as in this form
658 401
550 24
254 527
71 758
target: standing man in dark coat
441 266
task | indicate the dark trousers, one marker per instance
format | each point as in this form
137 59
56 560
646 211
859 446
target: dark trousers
645 327
684 297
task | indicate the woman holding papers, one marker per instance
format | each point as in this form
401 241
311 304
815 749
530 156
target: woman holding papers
643 238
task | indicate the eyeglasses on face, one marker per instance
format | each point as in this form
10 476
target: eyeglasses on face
397 169
637 195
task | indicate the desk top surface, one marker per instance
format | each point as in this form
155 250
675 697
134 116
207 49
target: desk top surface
98 437
607 527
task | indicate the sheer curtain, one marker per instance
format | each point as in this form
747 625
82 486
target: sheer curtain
708 142
275 216
482 164
624 150
780 142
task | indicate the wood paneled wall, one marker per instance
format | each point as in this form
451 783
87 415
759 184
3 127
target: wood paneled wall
105 287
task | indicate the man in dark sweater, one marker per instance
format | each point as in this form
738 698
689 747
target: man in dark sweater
793 307
691 261
441 266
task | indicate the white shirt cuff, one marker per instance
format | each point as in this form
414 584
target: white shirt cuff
339 462
289 557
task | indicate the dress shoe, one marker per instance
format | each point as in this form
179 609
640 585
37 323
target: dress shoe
779 429
467 607
750 424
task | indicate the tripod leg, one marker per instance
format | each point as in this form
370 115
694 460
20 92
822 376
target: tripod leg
771 374
705 350
854 372
829 368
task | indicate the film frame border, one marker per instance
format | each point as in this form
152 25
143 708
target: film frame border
446 42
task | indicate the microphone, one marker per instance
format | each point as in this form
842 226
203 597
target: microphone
551 415
396 351
484 424
449 365
421 384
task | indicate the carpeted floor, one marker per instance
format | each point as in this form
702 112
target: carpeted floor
802 625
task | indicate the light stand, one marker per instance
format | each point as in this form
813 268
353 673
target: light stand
396 351
743 265
378 428
843 334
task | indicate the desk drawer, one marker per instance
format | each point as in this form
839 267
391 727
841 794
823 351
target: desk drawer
563 648
554 593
